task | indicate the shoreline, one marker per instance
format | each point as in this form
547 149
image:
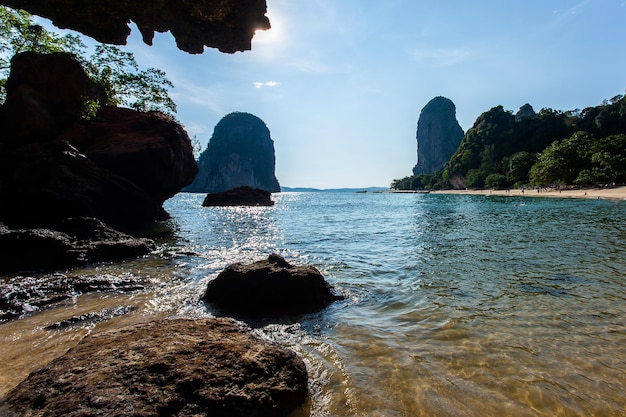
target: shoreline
615 193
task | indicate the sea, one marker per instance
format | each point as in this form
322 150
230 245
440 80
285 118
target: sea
455 305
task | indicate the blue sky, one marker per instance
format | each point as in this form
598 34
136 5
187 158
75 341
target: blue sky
340 83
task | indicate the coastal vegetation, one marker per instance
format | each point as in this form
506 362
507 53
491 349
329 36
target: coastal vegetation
580 147
115 73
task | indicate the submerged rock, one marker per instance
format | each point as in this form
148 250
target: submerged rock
240 196
211 367
271 286
22 295
90 318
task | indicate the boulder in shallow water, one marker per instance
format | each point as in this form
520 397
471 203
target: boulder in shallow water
271 286
240 196
211 367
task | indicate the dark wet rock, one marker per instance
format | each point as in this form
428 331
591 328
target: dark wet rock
240 196
271 286
228 25
240 153
22 295
119 167
150 149
44 183
73 242
438 135
211 367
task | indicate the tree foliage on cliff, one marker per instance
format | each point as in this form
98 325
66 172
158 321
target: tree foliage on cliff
116 72
574 147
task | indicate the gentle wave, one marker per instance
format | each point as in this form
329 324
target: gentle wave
455 305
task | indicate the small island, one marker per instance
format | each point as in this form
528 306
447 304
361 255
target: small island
240 196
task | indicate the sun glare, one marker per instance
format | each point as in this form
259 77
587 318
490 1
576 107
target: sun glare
270 36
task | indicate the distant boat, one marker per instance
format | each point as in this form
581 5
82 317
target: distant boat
361 191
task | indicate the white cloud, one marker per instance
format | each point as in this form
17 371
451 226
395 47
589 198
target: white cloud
439 57
266 84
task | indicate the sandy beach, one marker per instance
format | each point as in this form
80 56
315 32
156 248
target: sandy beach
616 193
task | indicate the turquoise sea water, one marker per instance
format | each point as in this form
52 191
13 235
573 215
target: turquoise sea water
456 305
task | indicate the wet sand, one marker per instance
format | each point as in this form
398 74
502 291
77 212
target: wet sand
615 193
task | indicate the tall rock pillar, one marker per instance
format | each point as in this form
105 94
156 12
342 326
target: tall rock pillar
240 153
438 135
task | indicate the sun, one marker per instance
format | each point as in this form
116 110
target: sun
274 35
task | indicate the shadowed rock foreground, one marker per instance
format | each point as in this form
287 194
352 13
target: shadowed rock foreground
210 367
118 167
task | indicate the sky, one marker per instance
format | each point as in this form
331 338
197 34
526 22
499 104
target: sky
340 83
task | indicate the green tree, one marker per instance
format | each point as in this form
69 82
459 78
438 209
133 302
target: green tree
495 181
519 165
18 33
401 184
585 177
475 178
562 160
115 71
608 158
118 75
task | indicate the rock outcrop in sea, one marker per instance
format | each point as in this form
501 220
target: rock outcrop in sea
240 153
438 135
270 286
118 167
240 196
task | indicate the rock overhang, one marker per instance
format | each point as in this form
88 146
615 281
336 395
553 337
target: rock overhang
227 25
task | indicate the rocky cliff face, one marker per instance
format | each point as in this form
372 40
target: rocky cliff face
240 153
119 167
525 112
438 135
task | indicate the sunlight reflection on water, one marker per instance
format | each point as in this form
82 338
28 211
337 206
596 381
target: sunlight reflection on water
456 305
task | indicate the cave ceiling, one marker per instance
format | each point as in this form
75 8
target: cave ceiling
227 25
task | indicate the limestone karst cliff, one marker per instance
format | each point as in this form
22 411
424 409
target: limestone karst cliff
240 153
525 112
438 135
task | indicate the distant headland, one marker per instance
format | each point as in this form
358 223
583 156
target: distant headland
545 149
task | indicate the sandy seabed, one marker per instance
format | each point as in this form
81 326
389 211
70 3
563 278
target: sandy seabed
612 193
